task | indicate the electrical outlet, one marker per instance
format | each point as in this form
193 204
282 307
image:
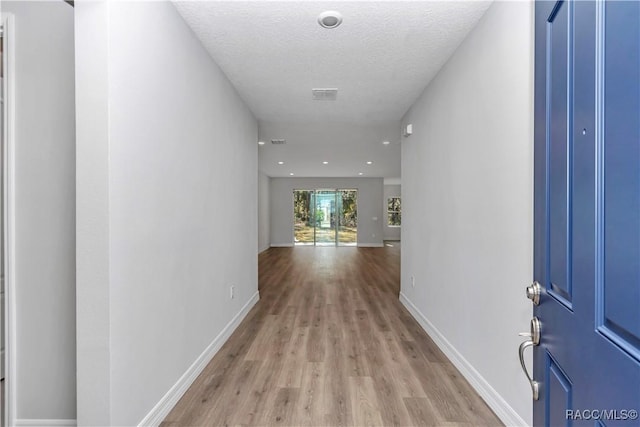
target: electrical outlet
413 282
232 291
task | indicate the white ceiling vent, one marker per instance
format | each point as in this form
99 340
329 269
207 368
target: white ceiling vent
278 141
328 94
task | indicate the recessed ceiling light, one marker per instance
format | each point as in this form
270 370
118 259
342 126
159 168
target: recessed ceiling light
360 173
281 163
330 19
291 173
260 142
325 163
385 143
369 162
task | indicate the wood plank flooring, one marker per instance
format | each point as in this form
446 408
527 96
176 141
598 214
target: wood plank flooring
329 344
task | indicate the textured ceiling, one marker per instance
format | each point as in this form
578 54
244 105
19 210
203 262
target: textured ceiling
380 58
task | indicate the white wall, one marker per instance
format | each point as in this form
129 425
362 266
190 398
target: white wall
390 190
44 210
264 183
174 208
369 201
93 351
467 184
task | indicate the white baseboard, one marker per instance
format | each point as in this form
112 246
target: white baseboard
281 245
496 402
371 245
46 423
169 400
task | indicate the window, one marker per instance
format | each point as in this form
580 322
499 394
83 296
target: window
394 212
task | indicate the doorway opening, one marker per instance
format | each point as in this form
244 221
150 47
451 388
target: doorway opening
325 217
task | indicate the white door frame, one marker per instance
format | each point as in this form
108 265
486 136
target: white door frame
8 158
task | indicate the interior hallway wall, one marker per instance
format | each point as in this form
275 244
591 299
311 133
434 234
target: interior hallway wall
44 211
370 192
264 182
167 210
467 182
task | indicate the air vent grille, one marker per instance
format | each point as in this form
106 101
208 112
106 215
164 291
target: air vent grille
278 141
327 94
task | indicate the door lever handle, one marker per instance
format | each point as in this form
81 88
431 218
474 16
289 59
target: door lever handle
535 386
534 339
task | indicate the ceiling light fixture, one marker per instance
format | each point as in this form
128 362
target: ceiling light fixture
291 173
360 173
385 143
369 162
330 19
260 142
281 163
325 163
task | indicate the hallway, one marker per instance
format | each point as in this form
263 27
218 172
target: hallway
141 138
330 344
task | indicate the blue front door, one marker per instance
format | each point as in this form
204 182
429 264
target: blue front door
587 213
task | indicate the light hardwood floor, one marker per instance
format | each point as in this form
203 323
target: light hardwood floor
329 344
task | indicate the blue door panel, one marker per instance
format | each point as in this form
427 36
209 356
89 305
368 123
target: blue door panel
558 396
621 172
612 380
558 111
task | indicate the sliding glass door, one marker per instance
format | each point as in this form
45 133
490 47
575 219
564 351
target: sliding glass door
303 227
347 217
325 217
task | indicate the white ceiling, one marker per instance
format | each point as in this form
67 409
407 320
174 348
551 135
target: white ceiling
380 59
346 146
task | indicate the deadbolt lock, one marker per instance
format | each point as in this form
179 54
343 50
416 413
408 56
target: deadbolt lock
533 292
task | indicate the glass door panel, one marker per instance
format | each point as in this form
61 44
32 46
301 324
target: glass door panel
303 223
347 217
325 217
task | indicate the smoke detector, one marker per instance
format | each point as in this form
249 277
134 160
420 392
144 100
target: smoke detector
324 94
278 141
330 19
